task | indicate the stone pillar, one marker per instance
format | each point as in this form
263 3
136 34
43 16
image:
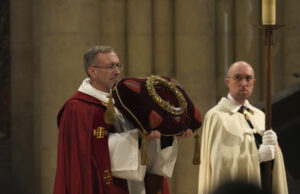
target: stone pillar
163 37
247 41
59 61
22 98
291 43
112 26
36 84
225 43
139 38
195 70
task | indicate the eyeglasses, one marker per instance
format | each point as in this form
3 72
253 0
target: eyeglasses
111 67
239 78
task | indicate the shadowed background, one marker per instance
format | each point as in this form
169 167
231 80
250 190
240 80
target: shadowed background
193 41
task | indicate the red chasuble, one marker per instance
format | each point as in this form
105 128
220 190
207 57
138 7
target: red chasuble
83 163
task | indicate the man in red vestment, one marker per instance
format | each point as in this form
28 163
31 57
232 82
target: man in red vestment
83 160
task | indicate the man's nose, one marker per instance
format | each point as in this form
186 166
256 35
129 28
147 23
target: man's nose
244 81
117 70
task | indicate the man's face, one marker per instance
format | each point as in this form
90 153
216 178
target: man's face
102 77
240 81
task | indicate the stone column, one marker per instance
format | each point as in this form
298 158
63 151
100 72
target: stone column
195 70
139 38
112 26
66 30
36 85
225 43
163 37
291 43
22 98
247 41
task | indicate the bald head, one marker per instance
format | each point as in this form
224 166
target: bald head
240 81
238 65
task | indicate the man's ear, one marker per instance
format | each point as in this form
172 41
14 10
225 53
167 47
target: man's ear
92 72
227 82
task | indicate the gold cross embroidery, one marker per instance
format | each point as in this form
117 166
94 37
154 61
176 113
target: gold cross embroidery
106 177
100 132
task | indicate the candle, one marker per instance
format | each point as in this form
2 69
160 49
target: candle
268 12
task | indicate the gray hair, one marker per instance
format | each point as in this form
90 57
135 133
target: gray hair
90 55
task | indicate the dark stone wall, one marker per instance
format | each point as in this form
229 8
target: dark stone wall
4 70
5 145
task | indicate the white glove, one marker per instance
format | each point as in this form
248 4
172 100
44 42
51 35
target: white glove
266 152
269 138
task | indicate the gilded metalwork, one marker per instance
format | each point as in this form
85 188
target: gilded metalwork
156 82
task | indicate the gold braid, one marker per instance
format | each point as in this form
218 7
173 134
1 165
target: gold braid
153 81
